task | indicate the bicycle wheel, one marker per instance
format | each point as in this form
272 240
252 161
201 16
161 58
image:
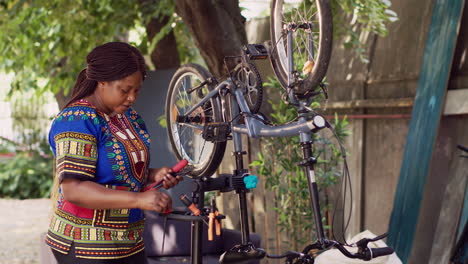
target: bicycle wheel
187 141
311 58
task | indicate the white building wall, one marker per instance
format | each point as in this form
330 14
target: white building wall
6 122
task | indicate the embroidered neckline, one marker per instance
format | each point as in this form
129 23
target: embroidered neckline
84 102
121 128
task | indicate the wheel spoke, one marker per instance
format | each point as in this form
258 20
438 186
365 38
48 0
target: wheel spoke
185 130
298 13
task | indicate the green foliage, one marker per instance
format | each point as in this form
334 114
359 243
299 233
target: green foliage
162 121
355 19
288 181
186 47
44 42
49 39
373 15
188 51
28 174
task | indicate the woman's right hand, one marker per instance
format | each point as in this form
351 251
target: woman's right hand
154 200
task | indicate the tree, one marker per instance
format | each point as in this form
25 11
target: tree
217 27
44 42
165 54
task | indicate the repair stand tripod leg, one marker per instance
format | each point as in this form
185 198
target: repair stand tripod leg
246 250
242 195
197 229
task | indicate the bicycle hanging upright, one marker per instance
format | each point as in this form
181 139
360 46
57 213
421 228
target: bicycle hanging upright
203 113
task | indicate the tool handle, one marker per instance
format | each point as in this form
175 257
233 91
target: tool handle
191 206
176 168
154 186
211 222
179 166
217 224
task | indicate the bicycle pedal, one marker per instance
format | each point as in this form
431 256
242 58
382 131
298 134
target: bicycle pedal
216 132
256 51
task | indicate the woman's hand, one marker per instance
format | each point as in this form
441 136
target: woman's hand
163 174
154 200
92 195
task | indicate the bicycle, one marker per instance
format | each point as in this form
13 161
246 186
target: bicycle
203 114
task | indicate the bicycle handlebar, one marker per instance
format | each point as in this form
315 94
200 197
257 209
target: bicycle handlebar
364 252
378 252
462 148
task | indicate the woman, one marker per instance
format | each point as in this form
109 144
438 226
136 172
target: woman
101 149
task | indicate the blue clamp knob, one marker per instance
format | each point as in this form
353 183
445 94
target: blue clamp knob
250 181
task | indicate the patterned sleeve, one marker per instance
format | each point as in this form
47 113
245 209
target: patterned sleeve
74 142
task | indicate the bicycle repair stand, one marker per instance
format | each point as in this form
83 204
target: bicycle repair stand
241 182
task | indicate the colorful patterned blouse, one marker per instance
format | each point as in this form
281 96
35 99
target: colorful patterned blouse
89 145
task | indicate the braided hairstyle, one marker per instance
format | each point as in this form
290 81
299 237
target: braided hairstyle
108 62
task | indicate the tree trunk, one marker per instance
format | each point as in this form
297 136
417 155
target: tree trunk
218 29
62 99
165 54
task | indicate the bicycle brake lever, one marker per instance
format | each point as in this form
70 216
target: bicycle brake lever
384 235
363 242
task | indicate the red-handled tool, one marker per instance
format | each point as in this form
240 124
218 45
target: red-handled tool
178 167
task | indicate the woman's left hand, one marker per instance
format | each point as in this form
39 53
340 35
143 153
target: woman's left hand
163 174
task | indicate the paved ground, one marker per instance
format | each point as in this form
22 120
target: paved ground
21 223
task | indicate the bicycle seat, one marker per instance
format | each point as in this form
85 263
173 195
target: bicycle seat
242 254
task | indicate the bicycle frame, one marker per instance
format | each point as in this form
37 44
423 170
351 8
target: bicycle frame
255 128
229 94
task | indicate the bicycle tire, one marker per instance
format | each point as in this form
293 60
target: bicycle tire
188 143
322 51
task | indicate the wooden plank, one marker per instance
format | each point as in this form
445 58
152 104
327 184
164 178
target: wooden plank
446 231
355 142
464 214
371 103
456 102
427 110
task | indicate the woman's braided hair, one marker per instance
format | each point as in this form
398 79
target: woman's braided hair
108 62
